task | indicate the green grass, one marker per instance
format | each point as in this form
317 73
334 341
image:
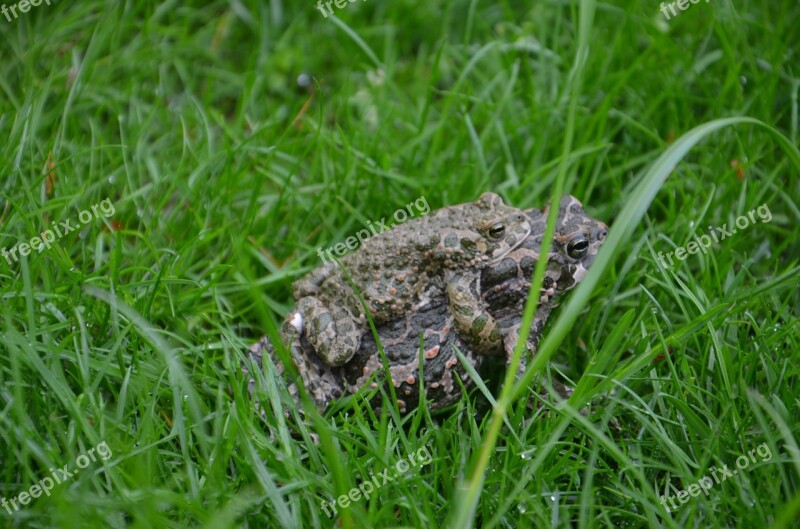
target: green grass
226 176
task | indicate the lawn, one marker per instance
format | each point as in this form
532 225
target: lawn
167 170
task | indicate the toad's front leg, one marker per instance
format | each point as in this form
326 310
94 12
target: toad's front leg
511 338
473 323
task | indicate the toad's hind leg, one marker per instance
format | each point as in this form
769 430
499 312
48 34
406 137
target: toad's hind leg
322 382
331 330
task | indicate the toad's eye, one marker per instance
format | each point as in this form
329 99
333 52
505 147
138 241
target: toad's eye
497 231
578 247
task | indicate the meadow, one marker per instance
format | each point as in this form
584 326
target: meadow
235 138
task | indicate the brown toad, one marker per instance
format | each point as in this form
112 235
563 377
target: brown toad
503 290
397 271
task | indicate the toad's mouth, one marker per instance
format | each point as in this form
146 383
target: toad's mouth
575 275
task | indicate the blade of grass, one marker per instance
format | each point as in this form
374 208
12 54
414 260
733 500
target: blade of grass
467 495
626 222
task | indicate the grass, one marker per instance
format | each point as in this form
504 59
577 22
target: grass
226 175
